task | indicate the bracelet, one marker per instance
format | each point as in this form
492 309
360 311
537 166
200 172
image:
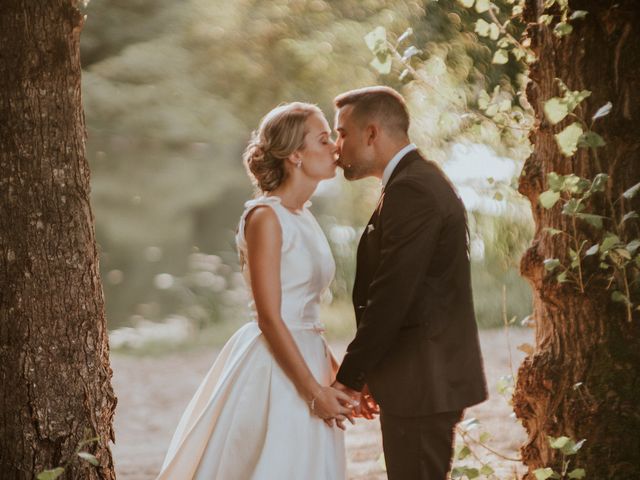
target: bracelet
312 402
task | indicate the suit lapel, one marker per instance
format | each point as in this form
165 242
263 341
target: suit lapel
361 281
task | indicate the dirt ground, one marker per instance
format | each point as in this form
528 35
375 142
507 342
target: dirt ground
153 391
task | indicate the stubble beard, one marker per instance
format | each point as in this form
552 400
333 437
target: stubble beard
356 172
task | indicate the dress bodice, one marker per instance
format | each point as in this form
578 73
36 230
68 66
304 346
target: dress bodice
306 265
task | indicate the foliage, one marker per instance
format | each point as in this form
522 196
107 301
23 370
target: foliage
567 448
617 260
52 474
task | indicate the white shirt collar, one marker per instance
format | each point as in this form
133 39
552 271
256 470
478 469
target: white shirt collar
388 170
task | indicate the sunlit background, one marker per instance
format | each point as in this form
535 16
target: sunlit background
172 91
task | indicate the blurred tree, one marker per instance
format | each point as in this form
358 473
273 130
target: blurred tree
54 362
582 379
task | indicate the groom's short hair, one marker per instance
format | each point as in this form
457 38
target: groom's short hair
379 102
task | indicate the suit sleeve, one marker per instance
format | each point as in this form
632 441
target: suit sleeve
411 225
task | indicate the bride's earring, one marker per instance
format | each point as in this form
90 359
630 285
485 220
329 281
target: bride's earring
299 164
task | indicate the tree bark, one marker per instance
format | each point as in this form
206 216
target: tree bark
54 355
583 379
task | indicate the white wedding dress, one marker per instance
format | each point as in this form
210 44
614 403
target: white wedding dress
246 419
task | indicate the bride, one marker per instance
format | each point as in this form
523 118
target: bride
265 410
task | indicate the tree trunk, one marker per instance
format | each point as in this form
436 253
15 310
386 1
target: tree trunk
583 379
54 364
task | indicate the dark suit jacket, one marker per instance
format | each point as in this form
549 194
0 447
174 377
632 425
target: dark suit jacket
416 345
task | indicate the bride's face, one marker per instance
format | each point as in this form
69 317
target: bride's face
319 156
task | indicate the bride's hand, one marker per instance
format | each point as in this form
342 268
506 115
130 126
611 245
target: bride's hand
332 404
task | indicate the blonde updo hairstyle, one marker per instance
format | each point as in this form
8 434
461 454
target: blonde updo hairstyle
281 133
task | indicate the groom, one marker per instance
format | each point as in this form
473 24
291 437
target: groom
416 348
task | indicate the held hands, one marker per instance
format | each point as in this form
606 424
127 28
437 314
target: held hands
331 404
365 406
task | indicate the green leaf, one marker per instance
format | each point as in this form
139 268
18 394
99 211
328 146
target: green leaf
383 66
50 474
632 191
492 110
571 448
600 182
610 240
494 31
543 473
558 442
464 453
482 27
504 105
578 14
545 19
561 29
562 277
484 437
89 458
555 109
518 53
624 253
592 250
458 472
550 264
591 140
603 111
633 245
577 473
568 138
483 100
500 57
572 97
555 181
572 207
486 470
574 184
376 40
549 198
482 5
618 297
629 216
472 473
591 219
466 3
498 196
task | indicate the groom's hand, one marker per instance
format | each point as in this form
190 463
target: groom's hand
368 406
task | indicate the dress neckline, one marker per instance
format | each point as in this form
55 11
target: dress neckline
277 199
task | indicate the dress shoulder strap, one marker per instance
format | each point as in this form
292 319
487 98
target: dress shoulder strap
275 204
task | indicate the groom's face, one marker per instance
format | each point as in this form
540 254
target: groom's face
356 156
